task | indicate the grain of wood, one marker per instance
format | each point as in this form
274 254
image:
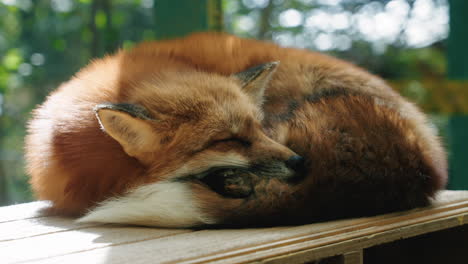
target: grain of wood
241 246
57 244
179 247
38 226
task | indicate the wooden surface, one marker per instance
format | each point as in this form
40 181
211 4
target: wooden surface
28 236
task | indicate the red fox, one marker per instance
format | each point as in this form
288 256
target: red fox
212 129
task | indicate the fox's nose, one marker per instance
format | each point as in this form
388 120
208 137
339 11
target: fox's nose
295 162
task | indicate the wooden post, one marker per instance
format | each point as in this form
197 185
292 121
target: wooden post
457 56
181 17
355 257
458 40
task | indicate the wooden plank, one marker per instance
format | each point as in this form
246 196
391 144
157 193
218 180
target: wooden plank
368 230
20 229
353 257
342 243
86 239
177 248
23 211
247 245
59 244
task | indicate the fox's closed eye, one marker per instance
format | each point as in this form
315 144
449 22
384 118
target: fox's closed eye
232 140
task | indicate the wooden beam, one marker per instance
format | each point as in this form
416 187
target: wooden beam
458 40
458 70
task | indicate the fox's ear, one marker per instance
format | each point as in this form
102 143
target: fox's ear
129 125
254 80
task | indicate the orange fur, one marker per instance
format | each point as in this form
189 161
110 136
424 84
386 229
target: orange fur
356 133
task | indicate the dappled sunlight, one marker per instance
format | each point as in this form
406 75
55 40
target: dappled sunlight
290 18
334 24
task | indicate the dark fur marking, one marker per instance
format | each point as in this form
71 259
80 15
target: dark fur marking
165 140
294 105
326 94
253 73
284 116
131 109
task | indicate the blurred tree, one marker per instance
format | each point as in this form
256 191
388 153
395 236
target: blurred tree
43 43
4 195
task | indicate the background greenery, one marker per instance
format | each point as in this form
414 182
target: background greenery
44 42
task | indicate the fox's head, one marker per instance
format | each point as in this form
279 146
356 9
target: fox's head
197 135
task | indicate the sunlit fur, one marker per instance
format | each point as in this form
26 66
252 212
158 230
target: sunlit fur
367 149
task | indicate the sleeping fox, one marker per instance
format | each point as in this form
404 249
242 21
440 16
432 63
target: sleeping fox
213 129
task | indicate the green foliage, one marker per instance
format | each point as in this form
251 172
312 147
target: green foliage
42 44
12 59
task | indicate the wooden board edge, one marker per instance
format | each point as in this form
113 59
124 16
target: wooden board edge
367 241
